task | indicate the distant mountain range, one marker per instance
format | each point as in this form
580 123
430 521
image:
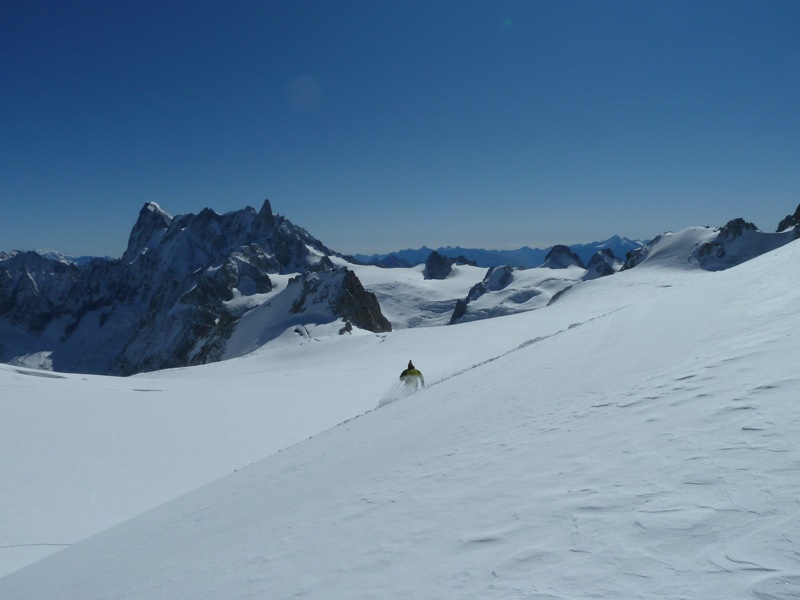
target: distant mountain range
525 257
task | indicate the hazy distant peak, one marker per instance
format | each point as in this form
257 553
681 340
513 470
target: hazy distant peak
521 257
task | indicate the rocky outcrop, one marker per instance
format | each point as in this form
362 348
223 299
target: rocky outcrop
496 279
561 257
791 221
360 307
723 252
440 267
459 311
602 264
339 294
637 256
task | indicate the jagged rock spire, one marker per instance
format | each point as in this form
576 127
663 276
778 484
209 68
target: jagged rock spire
149 227
265 217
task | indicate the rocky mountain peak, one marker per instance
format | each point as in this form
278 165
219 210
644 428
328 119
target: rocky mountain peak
265 220
561 257
180 245
602 264
147 232
791 221
176 295
735 228
440 267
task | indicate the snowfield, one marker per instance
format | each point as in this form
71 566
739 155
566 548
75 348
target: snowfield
636 439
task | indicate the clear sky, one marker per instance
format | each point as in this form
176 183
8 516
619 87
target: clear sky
385 124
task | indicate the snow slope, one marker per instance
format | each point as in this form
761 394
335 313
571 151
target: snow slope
636 439
85 452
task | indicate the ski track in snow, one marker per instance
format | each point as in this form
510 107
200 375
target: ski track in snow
399 391
523 345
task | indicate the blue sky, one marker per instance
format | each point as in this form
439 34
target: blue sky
381 125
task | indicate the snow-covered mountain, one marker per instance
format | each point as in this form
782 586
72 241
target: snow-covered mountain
175 296
715 249
635 439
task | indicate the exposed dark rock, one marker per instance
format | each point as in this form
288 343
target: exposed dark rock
361 307
437 266
459 311
635 257
602 264
440 267
734 229
715 250
339 294
791 221
561 257
558 295
496 278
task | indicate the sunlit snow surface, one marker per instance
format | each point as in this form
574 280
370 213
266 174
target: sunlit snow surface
636 439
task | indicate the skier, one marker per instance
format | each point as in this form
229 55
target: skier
412 376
